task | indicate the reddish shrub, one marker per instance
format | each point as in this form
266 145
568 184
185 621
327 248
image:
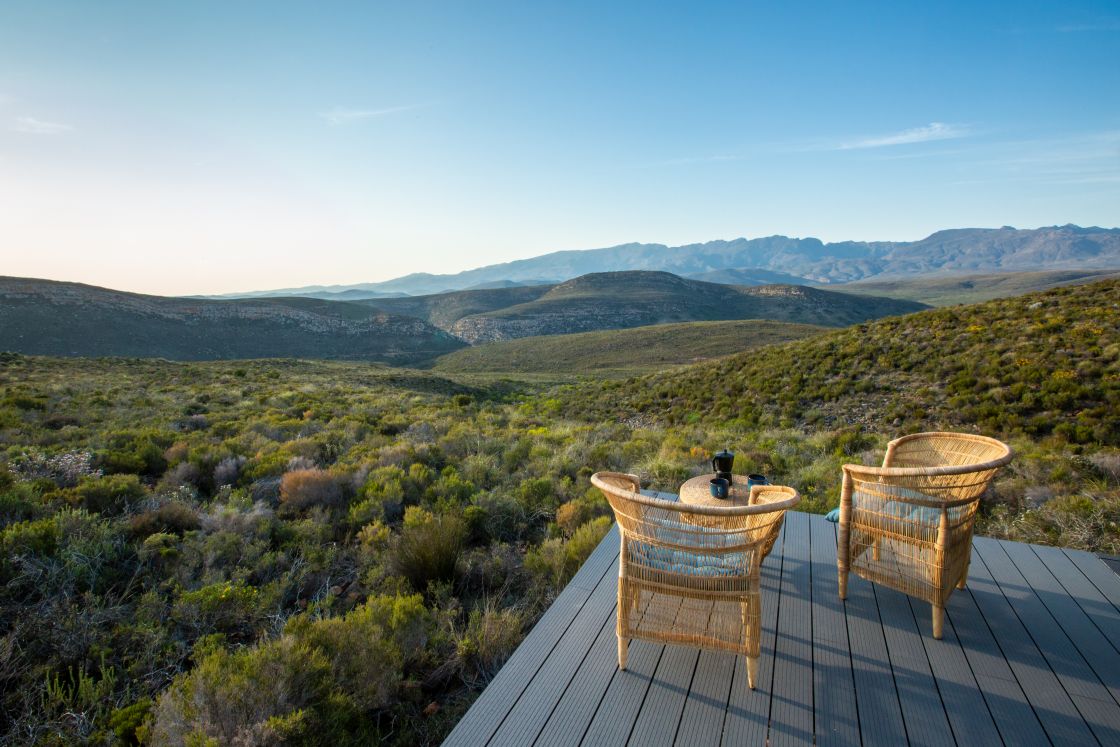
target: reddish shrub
303 488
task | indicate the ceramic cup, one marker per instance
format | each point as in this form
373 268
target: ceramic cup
719 487
753 480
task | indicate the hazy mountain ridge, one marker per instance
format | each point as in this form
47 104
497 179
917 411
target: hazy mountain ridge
46 317
954 250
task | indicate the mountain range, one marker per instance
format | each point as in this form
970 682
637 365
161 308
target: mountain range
778 259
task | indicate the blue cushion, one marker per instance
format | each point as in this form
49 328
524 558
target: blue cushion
679 561
683 561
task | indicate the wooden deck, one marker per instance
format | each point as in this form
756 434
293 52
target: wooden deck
1030 655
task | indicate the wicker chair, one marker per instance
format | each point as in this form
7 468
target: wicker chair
690 574
908 524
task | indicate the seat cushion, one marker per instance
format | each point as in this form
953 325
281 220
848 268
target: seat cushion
686 563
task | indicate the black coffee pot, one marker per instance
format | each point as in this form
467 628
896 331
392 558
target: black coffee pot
722 463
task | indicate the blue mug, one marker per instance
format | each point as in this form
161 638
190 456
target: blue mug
719 487
753 480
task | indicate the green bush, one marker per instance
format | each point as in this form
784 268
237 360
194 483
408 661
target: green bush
428 548
226 607
488 639
109 494
320 682
554 562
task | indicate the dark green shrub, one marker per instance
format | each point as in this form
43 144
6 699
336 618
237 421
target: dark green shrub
321 682
109 494
428 549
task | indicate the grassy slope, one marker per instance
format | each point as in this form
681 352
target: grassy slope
444 309
622 352
958 289
1037 364
678 299
41 317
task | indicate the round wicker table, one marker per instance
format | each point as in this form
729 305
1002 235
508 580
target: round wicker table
697 492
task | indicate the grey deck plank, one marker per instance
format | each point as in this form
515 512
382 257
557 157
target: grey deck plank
660 714
748 711
491 707
922 708
1099 653
1100 574
1052 704
702 721
1007 703
961 695
1105 616
614 719
1031 654
1093 701
837 722
880 713
791 709
523 723
572 714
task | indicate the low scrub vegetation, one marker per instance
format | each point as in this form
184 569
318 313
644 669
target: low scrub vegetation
294 552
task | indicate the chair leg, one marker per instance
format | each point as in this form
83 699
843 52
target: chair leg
938 620
752 671
622 646
964 577
843 575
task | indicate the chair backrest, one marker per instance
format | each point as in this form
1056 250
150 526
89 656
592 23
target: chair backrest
942 466
695 528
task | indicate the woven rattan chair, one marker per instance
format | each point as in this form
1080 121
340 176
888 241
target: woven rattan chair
690 574
908 524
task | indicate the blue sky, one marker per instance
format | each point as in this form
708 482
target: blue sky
197 147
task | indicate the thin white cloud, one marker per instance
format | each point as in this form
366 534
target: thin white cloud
34 126
929 133
343 116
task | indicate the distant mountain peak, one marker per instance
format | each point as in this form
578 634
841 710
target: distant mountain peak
958 250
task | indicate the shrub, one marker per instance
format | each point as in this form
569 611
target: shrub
318 683
228 470
183 473
574 514
109 494
174 517
490 637
304 488
227 607
554 561
428 548
30 537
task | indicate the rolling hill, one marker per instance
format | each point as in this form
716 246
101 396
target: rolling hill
963 250
945 290
444 309
43 317
1040 364
622 352
620 300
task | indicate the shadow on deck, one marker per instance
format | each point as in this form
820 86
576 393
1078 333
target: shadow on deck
1030 655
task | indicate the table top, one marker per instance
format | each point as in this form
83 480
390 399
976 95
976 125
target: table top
697 492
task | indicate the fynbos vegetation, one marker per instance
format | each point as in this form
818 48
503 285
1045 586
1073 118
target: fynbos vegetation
294 552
